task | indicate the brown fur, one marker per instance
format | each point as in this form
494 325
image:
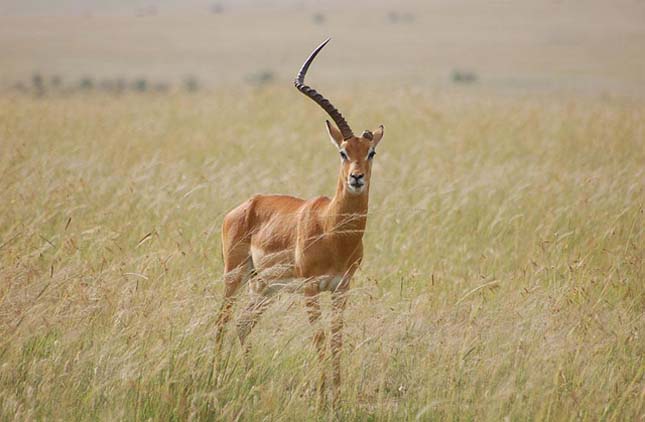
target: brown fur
309 243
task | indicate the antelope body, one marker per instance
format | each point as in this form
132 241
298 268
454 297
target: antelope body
277 242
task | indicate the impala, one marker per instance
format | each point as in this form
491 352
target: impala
278 242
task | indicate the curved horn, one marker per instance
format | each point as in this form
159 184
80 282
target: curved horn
318 98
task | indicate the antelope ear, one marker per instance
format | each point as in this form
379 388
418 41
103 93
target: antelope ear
378 135
334 134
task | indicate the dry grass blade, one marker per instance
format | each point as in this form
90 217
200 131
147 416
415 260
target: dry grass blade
490 285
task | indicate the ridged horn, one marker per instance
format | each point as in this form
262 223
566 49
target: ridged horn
318 98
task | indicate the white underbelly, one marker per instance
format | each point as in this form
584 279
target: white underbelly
276 273
297 284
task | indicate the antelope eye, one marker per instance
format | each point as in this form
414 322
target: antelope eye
371 155
343 154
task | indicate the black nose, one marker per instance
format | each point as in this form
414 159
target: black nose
356 177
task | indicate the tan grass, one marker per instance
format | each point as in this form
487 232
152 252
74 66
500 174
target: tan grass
503 274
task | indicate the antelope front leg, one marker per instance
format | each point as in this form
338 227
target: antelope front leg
232 281
313 312
339 300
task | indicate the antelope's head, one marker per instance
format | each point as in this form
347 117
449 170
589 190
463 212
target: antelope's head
356 152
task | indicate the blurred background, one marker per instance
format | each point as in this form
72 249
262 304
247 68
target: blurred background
503 271
579 47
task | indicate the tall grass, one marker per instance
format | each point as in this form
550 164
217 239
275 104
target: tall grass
503 275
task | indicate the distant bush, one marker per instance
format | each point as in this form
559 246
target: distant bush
463 76
86 83
140 85
38 84
191 84
262 77
318 18
217 8
147 11
398 17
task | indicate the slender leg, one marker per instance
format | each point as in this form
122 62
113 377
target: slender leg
237 265
339 301
232 282
313 312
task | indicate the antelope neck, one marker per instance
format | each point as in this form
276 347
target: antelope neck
346 211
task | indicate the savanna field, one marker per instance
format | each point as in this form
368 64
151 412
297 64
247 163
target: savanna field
503 276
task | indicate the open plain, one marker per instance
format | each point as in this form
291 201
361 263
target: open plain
503 273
